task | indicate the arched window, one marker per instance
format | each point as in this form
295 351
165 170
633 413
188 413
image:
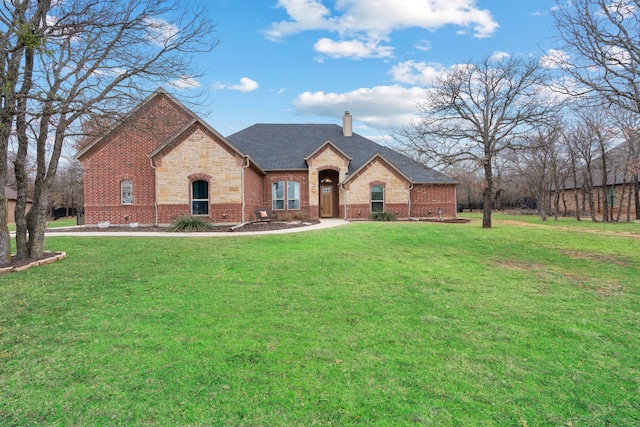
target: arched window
126 192
199 198
377 198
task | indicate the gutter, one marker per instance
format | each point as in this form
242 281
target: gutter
409 212
346 204
155 191
242 187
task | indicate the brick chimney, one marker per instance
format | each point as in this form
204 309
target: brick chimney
347 124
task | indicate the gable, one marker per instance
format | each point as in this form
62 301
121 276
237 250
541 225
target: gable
153 121
382 167
199 155
328 156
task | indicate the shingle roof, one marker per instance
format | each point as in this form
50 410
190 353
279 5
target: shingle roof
285 147
11 194
617 158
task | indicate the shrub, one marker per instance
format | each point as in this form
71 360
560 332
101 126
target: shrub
189 223
382 216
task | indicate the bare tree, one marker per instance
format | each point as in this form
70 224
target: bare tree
18 41
543 169
589 141
79 59
477 111
599 40
628 124
67 189
602 137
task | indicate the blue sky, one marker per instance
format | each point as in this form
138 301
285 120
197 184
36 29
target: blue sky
307 61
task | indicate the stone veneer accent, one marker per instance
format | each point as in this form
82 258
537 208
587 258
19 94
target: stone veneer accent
326 158
204 157
396 189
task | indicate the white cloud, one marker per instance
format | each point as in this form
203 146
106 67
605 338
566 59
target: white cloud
362 24
354 49
554 59
378 107
246 85
417 73
424 45
185 82
305 15
161 32
499 56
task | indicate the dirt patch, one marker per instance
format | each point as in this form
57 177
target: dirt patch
519 265
597 258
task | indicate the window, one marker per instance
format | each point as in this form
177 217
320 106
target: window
293 195
612 195
377 198
126 192
277 195
199 198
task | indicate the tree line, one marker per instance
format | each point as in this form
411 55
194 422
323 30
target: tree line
568 121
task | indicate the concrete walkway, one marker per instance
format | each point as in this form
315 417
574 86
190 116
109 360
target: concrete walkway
324 223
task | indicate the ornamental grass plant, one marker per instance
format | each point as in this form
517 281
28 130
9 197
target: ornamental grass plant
188 223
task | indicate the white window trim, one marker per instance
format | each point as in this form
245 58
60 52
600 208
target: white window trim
122 194
377 201
199 200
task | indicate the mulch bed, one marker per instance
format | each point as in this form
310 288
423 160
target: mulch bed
22 263
251 227
447 221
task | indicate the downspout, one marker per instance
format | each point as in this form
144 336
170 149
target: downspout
155 191
242 187
409 213
346 205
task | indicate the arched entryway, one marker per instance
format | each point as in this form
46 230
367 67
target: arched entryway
329 196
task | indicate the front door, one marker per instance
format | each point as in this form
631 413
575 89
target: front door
326 201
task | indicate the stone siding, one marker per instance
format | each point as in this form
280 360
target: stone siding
199 153
326 158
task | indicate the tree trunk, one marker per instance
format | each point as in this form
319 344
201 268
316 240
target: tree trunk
636 194
37 224
486 194
629 198
5 237
621 203
21 157
45 175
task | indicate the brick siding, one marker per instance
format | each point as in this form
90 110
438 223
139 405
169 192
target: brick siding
199 154
302 177
426 199
123 154
583 201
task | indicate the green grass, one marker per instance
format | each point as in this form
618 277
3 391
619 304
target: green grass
366 324
585 224
66 222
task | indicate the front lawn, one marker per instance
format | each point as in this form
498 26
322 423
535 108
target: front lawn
366 324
